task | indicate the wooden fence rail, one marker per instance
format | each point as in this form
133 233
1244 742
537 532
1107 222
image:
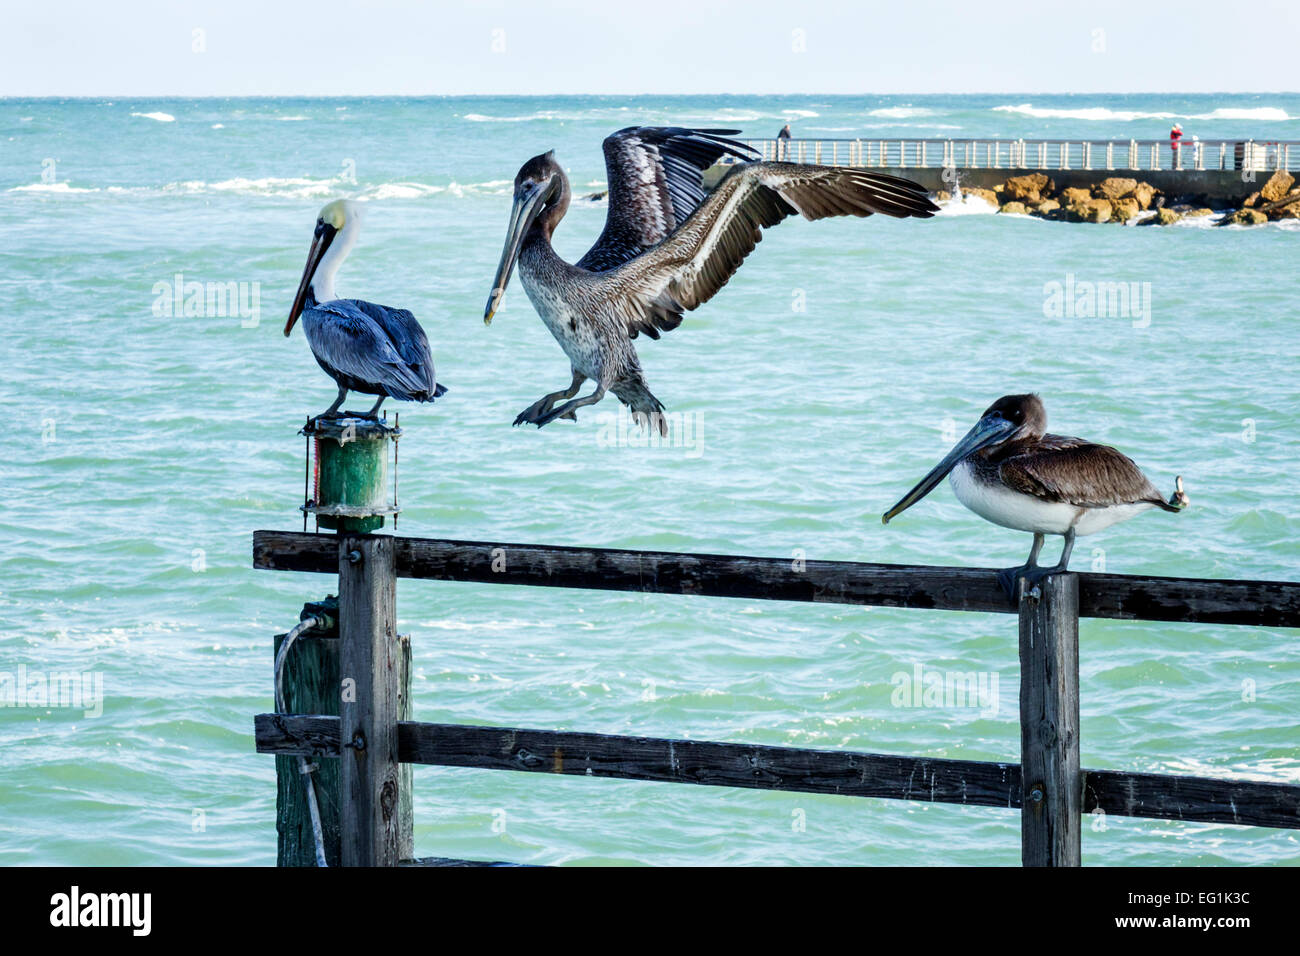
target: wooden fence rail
845 773
372 741
1120 596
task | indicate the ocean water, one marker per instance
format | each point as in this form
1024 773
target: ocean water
143 448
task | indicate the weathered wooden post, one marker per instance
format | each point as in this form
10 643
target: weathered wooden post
311 686
375 831
1052 790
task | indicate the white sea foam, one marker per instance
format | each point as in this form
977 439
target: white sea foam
160 117
218 125
54 188
284 187
1083 113
292 119
1269 113
400 191
966 206
491 187
901 112
802 113
1102 113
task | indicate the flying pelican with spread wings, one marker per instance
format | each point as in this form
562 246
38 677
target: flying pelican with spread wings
668 246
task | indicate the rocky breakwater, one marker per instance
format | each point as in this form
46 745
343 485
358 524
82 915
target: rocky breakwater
1125 199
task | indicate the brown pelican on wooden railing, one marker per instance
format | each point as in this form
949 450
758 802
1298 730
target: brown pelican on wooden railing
1010 472
667 247
363 346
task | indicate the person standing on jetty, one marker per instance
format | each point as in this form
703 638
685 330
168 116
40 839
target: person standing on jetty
783 143
1175 137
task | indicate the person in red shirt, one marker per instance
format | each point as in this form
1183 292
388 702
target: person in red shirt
1175 137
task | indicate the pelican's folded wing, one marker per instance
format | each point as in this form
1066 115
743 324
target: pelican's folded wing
406 336
1080 473
352 342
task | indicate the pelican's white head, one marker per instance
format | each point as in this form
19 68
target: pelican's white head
336 233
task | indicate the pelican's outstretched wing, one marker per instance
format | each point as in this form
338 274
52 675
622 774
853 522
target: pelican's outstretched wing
1080 473
690 266
347 338
655 183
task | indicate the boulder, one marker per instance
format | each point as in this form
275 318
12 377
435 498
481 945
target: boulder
1047 206
1122 210
1163 217
1251 201
1144 193
1014 209
1029 188
1113 187
1095 210
1289 211
942 195
1245 217
1278 185
1073 195
988 195
1198 213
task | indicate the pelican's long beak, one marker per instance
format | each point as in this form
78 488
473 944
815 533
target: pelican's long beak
989 431
528 199
320 242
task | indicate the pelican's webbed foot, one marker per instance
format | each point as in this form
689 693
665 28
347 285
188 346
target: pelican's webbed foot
1030 571
1008 577
569 409
540 409
533 412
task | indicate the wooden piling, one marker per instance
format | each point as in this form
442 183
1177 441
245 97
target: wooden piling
311 686
1052 788
375 830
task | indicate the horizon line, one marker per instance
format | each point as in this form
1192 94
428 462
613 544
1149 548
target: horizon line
344 96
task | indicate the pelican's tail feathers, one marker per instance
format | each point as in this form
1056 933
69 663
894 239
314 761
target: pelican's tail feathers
647 411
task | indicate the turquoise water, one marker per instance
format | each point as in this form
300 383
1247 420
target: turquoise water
144 449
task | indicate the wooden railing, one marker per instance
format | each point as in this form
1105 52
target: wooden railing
1038 154
371 740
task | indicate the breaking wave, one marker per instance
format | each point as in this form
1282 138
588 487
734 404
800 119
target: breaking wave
55 188
1102 113
901 112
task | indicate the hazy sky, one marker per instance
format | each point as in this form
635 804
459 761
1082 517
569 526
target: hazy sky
340 47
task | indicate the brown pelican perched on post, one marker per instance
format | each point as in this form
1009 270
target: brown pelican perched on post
364 347
1010 472
667 246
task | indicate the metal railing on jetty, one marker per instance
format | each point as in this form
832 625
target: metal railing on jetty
1041 154
369 737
